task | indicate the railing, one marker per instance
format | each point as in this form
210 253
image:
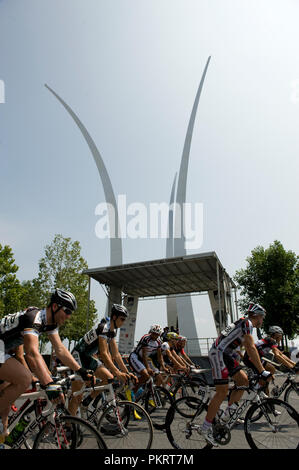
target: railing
204 343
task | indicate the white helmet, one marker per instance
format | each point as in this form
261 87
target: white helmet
156 329
275 329
256 309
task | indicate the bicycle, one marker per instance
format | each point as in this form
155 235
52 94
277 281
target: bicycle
269 422
188 384
55 429
124 424
156 400
289 386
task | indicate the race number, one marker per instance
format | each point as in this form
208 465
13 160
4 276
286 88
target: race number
228 329
9 322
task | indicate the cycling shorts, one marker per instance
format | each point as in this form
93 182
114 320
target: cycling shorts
86 361
138 366
224 365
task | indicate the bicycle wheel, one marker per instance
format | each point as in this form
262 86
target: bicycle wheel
126 426
276 428
291 396
183 422
158 406
69 432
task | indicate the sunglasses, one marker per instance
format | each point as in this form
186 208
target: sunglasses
67 311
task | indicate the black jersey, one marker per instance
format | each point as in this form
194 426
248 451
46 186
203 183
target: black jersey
15 326
89 343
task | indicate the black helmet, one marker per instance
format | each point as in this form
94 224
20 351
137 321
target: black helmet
119 311
64 298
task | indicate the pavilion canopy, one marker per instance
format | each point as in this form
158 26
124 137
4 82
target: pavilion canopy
168 276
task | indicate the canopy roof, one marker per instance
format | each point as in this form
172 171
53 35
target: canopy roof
169 276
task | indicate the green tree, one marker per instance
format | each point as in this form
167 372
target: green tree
31 294
61 267
10 287
271 278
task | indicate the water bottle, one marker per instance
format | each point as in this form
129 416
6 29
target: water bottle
18 430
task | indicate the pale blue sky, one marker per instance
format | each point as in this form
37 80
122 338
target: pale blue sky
130 70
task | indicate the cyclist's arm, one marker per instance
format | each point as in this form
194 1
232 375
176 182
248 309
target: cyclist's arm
187 359
62 352
145 360
160 359
253 353
19 356
106 357
179 360
173 359
280 357
116 356
35 359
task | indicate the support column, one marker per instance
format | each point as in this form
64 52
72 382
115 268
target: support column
127 331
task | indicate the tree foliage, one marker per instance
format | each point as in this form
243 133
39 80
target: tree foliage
271 278
10 287
62 267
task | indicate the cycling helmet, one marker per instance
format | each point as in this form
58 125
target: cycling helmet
256 309
275 329
182 338
119 310
172 335
156 329
64 298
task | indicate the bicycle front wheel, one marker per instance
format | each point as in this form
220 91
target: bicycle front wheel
277 426
158 405
126 426
183 422
291 396
69 432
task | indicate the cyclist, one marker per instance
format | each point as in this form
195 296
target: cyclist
100 340
224 364
24 328
145 349
171 360
270 344
181 344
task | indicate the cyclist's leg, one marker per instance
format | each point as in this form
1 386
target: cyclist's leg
19 379
220 376
140 370
104 374
88 362
241 380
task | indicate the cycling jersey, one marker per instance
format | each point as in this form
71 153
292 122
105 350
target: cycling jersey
222 354
263 347
89 343
15 326
136 357
150 345
232 336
